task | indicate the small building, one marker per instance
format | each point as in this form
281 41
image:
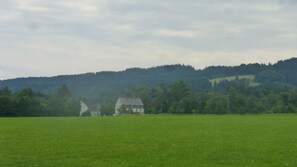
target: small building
96 111
129 106
83 108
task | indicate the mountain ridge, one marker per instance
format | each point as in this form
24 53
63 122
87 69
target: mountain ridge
112 83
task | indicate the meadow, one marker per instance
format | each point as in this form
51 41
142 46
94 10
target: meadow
151 140
231 78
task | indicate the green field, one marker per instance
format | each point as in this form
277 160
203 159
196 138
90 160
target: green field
231 78
251 140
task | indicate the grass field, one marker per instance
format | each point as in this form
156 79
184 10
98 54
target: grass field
231 78
262 140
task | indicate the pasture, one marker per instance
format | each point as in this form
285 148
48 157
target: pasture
251 78
157 140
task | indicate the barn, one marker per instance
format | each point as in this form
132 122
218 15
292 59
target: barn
129 106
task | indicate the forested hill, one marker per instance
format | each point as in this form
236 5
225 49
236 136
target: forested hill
283 71
95 85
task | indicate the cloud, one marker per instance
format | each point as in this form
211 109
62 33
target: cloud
175 33
287 2
119 27
31 6
74 36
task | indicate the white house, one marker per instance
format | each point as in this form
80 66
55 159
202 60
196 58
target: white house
129 106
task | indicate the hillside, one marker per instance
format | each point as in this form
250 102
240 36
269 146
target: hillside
98 84
102 84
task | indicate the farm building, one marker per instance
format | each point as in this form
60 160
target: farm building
129 106
96 112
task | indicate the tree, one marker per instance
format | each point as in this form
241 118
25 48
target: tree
63 104
107 107
270 76
6 107
216 105
63 91
5 92
279 107
27 103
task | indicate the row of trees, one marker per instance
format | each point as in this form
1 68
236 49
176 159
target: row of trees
29 103
178 98
235 97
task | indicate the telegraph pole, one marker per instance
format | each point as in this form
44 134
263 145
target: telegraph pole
228 105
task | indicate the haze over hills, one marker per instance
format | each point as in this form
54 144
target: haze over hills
96 85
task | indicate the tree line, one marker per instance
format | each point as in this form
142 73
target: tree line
27 103
228 97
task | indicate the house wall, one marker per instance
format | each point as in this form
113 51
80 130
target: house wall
135 109
117 108
135 105
138 110
95 113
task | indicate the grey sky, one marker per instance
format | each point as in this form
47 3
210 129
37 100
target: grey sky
52 37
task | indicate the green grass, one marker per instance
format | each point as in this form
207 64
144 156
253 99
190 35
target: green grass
231 78
262 140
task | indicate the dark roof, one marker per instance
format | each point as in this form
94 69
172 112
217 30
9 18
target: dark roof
130 101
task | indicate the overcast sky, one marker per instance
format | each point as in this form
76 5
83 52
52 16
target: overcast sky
53 37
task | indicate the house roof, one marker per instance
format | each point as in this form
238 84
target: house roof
130 101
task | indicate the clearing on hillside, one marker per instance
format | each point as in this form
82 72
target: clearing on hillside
251 78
